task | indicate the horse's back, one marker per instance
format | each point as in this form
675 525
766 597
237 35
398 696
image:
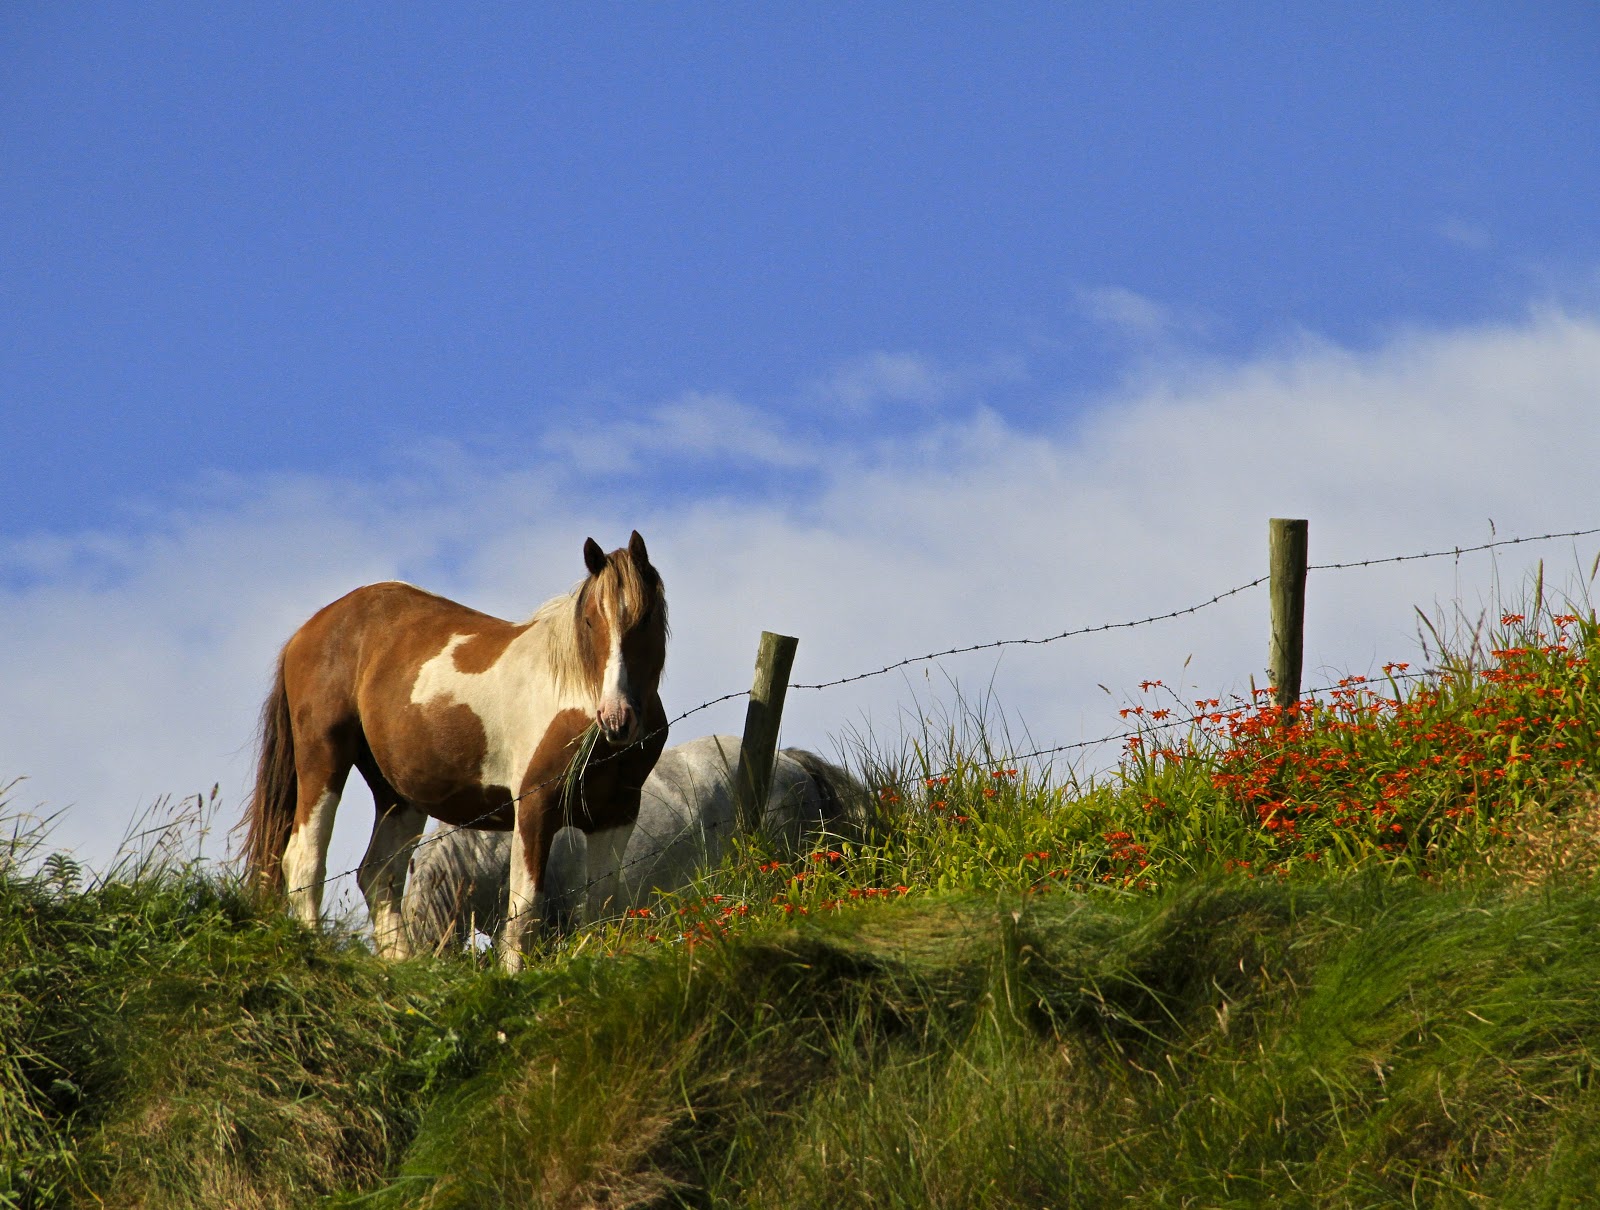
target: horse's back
375 618
375 637
686 820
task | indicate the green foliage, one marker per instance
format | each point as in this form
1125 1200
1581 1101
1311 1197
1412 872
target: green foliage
1442 775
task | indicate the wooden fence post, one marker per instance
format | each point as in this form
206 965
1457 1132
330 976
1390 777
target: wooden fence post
1287 546
759 747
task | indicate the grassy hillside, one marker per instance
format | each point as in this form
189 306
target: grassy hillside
1345 956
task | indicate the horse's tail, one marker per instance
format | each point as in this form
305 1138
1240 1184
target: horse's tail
269 819
845 807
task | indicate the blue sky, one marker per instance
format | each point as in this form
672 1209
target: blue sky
893 327
257 238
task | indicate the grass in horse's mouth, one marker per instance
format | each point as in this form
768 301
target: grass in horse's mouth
572 776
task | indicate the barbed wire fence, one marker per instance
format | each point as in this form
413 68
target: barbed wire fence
1121 736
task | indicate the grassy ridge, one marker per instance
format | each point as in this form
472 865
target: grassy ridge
1361 1043
161 1042
1340 1042
1341 956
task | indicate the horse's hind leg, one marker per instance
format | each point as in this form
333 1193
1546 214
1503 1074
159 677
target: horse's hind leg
382 876
322 763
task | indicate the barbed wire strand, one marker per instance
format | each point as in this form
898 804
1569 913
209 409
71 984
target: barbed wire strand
1453 552
1037 642
1186 720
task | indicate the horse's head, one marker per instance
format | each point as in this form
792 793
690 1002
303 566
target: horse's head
622 631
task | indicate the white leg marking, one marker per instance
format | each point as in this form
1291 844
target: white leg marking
382 877
305 860
606 849
524 906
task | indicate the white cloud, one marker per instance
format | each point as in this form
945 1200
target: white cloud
134 663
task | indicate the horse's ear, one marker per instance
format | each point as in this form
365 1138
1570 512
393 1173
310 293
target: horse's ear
641 557
593 557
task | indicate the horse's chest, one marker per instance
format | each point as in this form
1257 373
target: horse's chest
478 727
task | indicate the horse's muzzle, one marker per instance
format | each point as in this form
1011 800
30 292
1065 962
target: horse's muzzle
619 726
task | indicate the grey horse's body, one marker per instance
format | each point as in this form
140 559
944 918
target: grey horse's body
458 881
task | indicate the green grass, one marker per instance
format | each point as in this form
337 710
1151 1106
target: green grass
1370 1042
162 1043
1344 956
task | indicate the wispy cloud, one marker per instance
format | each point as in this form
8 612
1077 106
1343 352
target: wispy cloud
887 377
1123 309
695 427
962 528
1460 232
909 381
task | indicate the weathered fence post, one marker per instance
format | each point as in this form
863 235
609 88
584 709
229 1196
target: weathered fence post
1287 547
774 659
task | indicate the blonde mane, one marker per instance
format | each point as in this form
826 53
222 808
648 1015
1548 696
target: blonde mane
555 629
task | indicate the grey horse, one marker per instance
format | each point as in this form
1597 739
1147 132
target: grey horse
459 876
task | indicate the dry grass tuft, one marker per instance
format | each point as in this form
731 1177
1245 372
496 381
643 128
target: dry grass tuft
1551 843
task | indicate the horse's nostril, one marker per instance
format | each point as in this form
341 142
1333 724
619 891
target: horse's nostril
619 721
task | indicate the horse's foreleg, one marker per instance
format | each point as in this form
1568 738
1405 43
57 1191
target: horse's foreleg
566 875
530 847
382 876
606 849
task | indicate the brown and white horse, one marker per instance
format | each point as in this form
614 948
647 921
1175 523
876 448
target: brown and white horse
468 718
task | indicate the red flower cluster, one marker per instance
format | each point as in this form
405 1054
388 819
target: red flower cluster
1396 773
